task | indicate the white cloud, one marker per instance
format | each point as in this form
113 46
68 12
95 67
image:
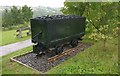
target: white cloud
50 3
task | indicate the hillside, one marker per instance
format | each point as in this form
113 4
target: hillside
38 11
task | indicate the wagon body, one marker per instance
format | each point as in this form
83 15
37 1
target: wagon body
53 31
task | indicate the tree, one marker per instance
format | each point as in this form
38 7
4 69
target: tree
12 17
26 13
16 15
77 8
97 13
6 18
101 35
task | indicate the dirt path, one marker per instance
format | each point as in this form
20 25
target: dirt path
4 50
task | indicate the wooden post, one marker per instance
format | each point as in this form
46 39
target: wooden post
19 35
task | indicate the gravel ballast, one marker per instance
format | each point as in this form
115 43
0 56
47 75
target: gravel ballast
41 64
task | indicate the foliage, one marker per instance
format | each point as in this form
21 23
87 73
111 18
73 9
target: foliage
16 16
26 13
6 19
115 31
77 8
105 14
98 16
101 35
96 13
25 24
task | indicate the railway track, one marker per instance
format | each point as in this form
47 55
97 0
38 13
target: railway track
45 62
67 52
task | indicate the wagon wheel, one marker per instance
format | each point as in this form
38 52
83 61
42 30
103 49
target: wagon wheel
58 49
74 42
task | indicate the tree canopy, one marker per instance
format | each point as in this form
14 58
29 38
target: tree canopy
101 17
26 13
97 13
16 16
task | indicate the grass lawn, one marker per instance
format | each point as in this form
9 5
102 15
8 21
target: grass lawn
9 37
10 67
93 60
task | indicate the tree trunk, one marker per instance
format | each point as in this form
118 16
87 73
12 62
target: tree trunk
104 44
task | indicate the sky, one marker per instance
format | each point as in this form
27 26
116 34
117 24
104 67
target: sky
46 3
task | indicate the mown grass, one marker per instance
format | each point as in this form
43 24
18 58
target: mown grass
11 67
94 60
9 37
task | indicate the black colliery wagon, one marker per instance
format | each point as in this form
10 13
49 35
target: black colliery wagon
54 31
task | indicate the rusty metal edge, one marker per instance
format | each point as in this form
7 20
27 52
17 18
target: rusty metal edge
69 50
